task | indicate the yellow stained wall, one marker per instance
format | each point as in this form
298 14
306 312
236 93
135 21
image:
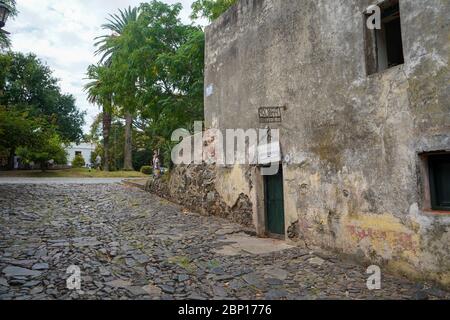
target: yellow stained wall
336 216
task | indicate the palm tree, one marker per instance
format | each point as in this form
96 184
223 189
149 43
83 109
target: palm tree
107 47
116 25
98 94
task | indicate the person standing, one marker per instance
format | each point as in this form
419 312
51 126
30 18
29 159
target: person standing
156 164
98 162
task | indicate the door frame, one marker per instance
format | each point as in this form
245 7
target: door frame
261 207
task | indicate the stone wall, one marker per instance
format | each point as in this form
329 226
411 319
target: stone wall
352 142
195 187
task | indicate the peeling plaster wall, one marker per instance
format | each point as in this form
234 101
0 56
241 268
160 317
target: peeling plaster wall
353 182
231 184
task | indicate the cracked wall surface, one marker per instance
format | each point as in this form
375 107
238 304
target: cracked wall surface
353 181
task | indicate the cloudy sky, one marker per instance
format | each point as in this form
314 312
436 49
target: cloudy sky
61 33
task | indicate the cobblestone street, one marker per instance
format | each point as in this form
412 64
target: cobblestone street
130 244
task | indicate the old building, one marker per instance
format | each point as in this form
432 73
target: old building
84 149
364 120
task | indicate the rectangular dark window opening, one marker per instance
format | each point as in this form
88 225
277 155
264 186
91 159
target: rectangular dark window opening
78 153
384 47
439 179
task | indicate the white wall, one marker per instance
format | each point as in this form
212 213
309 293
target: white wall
85 148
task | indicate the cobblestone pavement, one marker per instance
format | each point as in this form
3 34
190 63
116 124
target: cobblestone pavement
132 245
53 181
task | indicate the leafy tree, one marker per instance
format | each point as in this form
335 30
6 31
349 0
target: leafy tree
210 9
142 157
108 45
116 144
49 148
117 147
153 69
27 85
94 154
157 71
99 93
16 129
68 119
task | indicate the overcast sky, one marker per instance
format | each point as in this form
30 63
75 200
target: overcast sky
61 33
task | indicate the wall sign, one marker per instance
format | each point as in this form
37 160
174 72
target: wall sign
270 114
209 90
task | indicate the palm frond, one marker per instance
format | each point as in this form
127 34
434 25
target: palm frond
116 24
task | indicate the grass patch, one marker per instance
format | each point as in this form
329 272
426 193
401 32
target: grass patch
72 173
183 262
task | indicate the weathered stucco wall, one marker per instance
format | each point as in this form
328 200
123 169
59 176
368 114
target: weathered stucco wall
353 182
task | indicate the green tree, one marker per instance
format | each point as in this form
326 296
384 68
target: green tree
157 69
108 45
99 93
116 145
154 71
31 99
49 148
16 129
210 9
26 84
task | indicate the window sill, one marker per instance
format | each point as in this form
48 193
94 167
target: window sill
380 74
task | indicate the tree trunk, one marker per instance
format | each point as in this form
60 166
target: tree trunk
128 163
44 166
106 132
11 159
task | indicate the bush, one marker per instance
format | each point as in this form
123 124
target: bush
146 169
78 161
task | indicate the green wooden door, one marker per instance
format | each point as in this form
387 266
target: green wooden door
275 203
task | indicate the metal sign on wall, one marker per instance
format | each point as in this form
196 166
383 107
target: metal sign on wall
270 114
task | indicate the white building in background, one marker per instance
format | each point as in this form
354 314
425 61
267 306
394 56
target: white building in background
85 149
